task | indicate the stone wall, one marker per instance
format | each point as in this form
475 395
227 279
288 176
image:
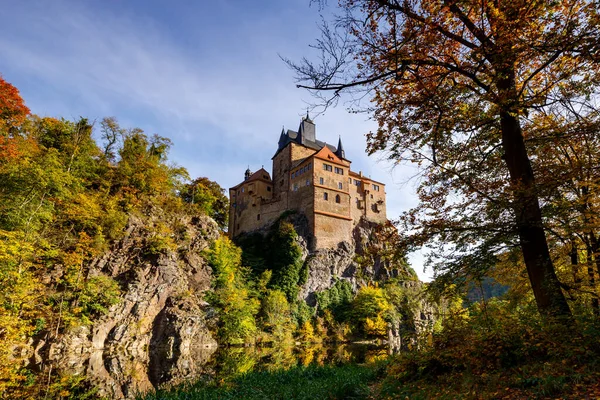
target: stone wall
330 230
281 171
307 186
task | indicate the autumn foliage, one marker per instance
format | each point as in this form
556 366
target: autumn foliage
13 110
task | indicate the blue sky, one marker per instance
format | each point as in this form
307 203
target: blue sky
206 74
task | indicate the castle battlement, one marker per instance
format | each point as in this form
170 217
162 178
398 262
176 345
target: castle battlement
311 177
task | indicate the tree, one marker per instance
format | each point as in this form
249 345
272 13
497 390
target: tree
13 110
455 87
209 197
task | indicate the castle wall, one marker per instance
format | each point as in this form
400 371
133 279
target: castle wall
301 193
301 182
281 171
299 152
375 205
357 199
331 231
246 208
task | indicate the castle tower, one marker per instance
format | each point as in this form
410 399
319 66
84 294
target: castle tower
311 177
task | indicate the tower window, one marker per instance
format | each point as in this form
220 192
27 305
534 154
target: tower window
258 217
327 167
337 198
321 181
308 182
339 171
325 196
268 188
340 185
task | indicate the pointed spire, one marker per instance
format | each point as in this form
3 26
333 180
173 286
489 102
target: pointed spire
340 149
282 139
247 173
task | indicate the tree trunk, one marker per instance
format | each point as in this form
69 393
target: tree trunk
574 254
591 275
544 282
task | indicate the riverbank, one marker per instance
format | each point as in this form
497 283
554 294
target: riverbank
349 381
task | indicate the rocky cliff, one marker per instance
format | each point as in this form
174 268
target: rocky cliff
159 330
371 256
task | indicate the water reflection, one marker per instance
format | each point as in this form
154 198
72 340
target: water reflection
229 362
120 376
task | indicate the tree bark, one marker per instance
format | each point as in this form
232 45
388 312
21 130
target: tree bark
574 255
544 282
591 276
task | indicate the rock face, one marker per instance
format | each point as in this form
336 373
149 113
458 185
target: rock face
369 257
360 261
158 333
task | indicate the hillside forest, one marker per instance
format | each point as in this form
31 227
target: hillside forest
506 133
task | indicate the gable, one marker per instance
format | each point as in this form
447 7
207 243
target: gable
329 156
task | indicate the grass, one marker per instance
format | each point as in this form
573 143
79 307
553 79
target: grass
349 381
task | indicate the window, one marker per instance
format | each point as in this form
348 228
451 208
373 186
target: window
376 188
295 187
308 167
321 181
340 185
308 182
243 190
268 188
337 198
349 180
371 196
325 196
258 217
357 182
339 171
265 177
327 167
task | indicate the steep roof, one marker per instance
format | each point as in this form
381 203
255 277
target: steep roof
326 154
260 175
365 178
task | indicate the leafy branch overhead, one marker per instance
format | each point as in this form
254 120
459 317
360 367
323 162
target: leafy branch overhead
470 91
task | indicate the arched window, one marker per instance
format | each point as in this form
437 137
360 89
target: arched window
337 198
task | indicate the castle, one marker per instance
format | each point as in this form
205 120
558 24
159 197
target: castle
311 177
